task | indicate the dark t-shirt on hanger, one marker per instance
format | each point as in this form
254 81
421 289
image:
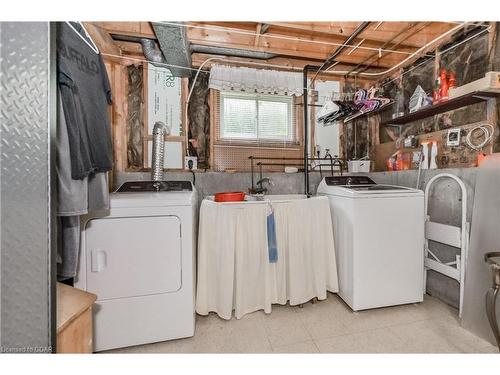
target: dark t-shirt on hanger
86 94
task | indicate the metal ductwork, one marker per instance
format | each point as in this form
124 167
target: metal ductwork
235 52
174 45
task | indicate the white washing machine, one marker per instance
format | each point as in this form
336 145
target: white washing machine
379 241
140 262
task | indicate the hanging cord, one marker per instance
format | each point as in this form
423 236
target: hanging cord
420 161
442 53
488 131
335 73
283 37
189 97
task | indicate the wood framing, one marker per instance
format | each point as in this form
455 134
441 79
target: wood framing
380 46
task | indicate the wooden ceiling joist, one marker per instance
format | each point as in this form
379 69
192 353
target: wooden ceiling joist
380 46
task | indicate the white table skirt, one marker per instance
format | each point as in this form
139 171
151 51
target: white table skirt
234 272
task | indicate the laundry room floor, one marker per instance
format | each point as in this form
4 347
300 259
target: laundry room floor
329 326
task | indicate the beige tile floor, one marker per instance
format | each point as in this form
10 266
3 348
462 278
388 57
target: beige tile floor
329 326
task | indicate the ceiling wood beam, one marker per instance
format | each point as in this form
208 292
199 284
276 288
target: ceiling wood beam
413 30
381 34
138 29
290 63
258 31
102 39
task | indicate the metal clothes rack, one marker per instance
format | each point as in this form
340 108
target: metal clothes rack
334 162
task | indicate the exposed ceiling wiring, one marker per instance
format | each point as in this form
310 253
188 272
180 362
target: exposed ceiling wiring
442 53
423 48
283 37
285 67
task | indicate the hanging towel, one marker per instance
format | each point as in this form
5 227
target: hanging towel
272 247
68 232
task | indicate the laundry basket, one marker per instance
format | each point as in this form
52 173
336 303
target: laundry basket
356 166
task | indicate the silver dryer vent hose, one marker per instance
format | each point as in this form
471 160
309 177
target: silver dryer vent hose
158 156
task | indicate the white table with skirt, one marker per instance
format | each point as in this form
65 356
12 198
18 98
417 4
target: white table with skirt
234 270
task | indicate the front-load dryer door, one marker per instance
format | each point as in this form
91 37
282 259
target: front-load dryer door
133 256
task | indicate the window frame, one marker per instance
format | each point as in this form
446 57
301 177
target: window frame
256 97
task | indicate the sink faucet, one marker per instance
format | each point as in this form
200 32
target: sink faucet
261 189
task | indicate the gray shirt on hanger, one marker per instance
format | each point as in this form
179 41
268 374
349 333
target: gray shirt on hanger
86 94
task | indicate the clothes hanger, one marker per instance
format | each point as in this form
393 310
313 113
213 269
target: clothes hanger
89 42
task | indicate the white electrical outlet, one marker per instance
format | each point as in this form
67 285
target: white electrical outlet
194 159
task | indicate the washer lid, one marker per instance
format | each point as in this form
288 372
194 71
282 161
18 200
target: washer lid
138 194
154 186
364 189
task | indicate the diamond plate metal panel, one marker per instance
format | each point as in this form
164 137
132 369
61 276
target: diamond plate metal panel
24 146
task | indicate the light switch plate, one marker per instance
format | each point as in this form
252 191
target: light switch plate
453 138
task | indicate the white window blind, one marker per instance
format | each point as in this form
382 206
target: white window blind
256 117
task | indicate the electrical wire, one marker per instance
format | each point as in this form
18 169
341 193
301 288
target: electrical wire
442 53
199 70
424 47
285 67
282 37
420 161
194 177
488 131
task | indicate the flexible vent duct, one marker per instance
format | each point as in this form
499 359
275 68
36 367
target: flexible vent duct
151 53
158 156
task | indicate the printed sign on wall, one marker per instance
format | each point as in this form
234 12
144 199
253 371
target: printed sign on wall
173 155
164 99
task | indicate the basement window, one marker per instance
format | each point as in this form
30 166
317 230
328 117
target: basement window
256 118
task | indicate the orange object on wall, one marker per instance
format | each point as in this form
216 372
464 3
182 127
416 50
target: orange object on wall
480 157
444 88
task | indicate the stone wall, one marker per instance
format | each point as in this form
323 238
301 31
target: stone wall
470 61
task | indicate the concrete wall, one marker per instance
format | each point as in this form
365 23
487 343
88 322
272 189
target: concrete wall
444 207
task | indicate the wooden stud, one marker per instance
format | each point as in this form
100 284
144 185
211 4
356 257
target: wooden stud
212 105
145 132
185 115
258 31
102 39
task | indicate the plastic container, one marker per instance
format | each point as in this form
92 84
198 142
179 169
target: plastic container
444 88
234 196
358 166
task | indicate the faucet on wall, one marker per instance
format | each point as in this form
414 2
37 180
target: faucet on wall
261 189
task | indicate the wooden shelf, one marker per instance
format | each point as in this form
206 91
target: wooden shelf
449 105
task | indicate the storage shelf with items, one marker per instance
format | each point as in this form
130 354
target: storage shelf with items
436 109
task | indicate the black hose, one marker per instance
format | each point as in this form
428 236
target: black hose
190 166
194 178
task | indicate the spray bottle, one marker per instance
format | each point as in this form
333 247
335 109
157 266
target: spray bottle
425 156
434 152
